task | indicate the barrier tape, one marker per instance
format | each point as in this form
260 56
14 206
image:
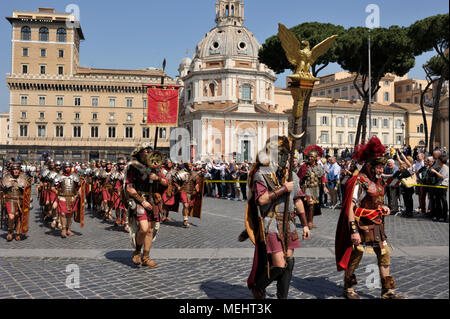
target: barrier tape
212 181
429 186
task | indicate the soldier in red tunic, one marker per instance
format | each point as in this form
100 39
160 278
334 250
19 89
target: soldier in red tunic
67 189
142 208
362 221
312 178
117 178
13 186
188 187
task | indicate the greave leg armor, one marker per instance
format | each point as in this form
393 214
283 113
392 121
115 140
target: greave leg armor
284 280
263 281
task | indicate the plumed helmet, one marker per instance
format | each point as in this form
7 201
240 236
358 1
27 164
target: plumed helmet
314 150
372 152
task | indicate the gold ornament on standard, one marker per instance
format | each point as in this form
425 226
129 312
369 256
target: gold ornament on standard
302 81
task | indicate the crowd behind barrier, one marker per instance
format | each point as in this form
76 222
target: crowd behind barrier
408 173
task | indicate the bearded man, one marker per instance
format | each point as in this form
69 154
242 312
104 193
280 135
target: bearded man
362 221
264 219
143 210
312 178
13 186
188 189
68 191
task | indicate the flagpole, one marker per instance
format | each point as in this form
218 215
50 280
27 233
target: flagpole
157 128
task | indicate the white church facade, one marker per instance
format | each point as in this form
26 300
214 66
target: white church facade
228 100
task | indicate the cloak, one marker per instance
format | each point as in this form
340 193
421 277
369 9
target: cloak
343 243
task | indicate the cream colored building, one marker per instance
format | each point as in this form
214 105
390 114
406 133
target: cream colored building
228 102
409 90
332 123
4 128
74 112
340 85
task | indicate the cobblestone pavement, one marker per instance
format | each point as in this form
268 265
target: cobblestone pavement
207 261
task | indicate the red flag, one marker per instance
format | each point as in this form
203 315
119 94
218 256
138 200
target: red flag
163 105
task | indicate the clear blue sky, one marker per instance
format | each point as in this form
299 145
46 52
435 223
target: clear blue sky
141 33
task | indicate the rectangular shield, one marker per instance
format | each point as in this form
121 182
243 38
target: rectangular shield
196 209
25 210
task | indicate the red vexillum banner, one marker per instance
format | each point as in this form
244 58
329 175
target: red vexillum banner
162 105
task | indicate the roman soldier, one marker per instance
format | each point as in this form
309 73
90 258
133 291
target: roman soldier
51 202
13 186
170 194
68 191
107 188
312 177
187 185
143 211
90 183
264 219
117 179
361 223
96 187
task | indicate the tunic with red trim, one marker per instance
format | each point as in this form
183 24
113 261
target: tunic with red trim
67 185
13 188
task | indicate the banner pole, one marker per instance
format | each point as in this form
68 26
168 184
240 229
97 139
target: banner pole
157 128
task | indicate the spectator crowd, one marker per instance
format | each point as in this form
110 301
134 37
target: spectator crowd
228 180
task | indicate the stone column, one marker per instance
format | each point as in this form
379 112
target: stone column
227 138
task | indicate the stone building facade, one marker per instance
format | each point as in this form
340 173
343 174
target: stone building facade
75 113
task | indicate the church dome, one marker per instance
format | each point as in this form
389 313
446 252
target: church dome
185 62
230 41
229 38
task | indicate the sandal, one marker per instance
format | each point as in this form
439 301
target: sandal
149 263
137 258
9 237
186 224
351 294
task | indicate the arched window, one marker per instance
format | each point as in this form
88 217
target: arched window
25 33
61 35
43 34
212 89
232 10
227 11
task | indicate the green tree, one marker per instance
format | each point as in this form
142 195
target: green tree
428 34
391 52
272 54
431 33
437 72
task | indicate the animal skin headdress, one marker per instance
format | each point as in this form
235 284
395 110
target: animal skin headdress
372 152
